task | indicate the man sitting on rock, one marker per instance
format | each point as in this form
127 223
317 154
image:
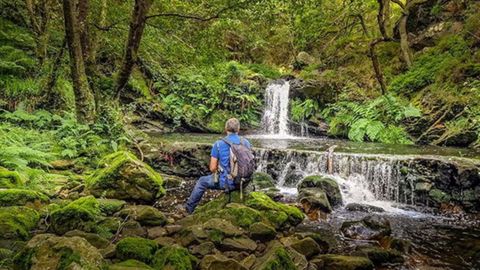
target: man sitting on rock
222 177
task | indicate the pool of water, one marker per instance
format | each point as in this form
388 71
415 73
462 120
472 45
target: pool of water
323 144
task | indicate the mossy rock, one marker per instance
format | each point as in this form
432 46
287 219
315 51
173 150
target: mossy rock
110 206
262 231
136 248
341 262
262 180
439 196
130 265
16 222
123 176
93 238
174 258
263 203
315 199
255 207
10 179
22 197
144 214
276 257
81 214
328 185
220 262
48 251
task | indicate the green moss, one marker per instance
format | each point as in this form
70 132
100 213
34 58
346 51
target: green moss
276 258
16 222
277 218
80 214
110 206
67 257
9 179
124 176
11 197
215 236
439 196
136 248
175 258
262 181
262 202
241 215
129 265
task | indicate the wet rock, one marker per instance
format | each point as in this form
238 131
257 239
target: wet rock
314 202
174 257
22 197
123 176
110 206
380 256
276 257
16 222
136 248
10 179
369 228
358 207
238 244
293 177
262 231
130 265
220 262
144 214
262 180
92 238
203 249
423 186
328 185
307 247
47 251
81 214
341 262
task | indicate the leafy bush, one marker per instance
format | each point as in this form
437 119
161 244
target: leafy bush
303 110
378 120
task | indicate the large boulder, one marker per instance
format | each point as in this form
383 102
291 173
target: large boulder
136 248
22 197
144 214
328 185
81 214
369 228
314 202
9 179
47 251
16 222
306 246
123 176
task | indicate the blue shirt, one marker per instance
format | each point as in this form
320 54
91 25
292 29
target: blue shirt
221 151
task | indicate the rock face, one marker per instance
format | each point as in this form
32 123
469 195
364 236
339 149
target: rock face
369 228
123 176
47 251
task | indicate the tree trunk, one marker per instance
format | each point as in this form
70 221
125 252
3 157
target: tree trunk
383 17
94 43
376 64
84 101
137 25
404 45
38 13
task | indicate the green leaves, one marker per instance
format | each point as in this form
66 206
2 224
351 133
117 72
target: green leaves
379 120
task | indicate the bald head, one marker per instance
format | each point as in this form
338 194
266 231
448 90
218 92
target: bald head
232 125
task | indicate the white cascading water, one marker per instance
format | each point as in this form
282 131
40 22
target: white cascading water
275 117
365 179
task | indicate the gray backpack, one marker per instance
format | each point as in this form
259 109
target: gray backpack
242 164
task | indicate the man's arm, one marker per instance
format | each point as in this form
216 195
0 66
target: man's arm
213 164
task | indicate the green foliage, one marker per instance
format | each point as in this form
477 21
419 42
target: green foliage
303 110
378 120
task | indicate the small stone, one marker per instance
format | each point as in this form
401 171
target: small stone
133 228
249 261
203 249
171 229
155 232
220 262
364 208
144 214
94 239
262 231
423 186
165 241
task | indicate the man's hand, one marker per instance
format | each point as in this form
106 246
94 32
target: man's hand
213 165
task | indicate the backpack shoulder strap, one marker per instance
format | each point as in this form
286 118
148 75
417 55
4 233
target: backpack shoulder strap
227 142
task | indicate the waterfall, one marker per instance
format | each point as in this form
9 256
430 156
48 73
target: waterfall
362 178
275 117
